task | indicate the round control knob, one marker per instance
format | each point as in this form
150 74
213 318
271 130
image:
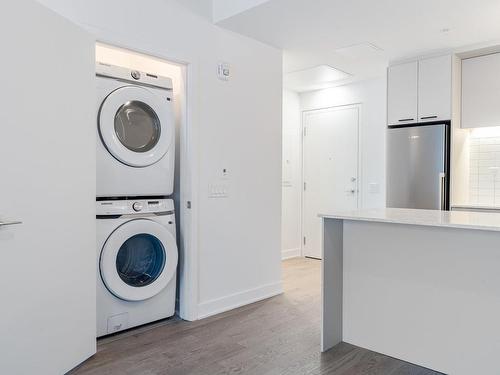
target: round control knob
135 74
137 206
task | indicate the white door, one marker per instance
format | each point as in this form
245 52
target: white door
402 81
330 159
47 164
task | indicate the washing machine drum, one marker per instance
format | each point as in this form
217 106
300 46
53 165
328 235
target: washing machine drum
136 125
138 260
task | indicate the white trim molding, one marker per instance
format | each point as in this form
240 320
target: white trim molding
233 301
291 253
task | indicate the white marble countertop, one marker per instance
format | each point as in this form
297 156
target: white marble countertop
488 221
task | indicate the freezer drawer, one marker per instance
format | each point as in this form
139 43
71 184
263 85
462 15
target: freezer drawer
417 167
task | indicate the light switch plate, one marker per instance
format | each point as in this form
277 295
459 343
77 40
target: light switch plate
373 188
224 71
218 190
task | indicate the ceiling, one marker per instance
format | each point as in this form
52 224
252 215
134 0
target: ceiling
361 36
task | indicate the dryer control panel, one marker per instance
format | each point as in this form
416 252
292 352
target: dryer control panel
131 206
124 74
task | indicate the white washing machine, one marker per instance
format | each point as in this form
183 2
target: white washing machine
136 263
136 133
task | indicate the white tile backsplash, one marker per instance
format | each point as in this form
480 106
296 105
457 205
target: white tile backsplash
484 169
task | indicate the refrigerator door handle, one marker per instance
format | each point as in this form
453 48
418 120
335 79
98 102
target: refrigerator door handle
442 191
8 223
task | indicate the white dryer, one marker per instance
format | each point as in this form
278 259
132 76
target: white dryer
136 133
136 263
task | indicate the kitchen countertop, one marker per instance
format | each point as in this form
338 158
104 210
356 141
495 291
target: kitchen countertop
487 221
383 268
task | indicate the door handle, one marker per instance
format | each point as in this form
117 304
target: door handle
427 117
442 191
8 223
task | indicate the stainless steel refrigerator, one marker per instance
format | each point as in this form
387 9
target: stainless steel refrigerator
418 160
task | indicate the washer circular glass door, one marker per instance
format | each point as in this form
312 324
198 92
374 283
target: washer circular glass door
136 125
138 260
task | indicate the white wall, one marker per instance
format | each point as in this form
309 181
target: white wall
371 95
292 177
234 125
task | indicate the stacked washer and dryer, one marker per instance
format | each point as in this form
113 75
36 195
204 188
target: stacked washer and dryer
136 233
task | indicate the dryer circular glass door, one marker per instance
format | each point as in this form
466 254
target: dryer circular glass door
136 125
138 260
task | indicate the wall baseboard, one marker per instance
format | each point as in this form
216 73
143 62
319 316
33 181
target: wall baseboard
290 253
233 301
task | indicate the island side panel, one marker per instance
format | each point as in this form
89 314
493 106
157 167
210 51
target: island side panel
427 295
332 282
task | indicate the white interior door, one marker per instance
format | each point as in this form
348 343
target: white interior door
330 161
47 164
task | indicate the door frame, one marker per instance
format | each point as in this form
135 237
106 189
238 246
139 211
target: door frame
188 212
359 107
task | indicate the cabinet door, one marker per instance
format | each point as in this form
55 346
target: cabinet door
481 91
402 93
434 89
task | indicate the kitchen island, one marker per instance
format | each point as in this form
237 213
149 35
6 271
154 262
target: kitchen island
419 285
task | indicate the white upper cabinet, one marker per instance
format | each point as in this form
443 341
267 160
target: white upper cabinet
434 89
419 91
402 93
481 91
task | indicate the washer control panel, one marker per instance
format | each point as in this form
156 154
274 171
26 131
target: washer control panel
135 74
131 206
137 206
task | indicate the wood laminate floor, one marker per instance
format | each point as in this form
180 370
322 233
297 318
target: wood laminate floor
280 335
